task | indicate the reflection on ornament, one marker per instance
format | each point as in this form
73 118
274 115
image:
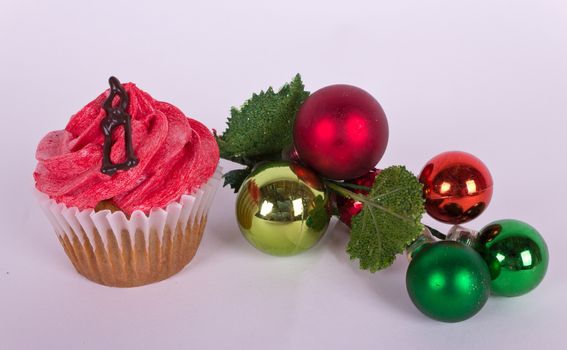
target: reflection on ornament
457 187
516 255
282 208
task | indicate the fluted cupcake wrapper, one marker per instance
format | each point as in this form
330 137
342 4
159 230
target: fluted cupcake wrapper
111 249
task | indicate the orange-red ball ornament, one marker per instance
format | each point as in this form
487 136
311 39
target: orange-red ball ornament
457 187
341 132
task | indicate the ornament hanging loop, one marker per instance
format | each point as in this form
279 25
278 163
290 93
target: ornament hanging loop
463 235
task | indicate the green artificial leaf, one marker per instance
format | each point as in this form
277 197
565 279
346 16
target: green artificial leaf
389 221
262 127
235 178
318 217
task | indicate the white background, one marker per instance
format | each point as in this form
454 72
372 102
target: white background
487 77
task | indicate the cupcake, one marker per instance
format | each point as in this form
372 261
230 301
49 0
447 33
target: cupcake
127 186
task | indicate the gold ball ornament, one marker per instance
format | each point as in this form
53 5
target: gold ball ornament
282 208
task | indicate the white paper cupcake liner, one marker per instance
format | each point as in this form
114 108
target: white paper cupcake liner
111 249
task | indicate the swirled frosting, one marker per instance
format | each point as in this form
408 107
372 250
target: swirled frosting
177 155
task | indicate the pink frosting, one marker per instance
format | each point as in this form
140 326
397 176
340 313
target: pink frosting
177 155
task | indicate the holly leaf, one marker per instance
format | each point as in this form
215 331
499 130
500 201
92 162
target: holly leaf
262 127
235 178
389 221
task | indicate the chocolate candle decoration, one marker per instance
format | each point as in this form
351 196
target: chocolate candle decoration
116 116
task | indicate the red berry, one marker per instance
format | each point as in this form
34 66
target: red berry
348 207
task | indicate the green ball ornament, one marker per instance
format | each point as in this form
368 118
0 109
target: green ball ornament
516 255
448 281
281 208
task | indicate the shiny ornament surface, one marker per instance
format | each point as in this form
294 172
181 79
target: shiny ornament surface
448 281
341 132
516 255
281 208
348 207
457 187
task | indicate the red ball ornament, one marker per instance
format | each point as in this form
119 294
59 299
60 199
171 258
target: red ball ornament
457 187
341 132
348 207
